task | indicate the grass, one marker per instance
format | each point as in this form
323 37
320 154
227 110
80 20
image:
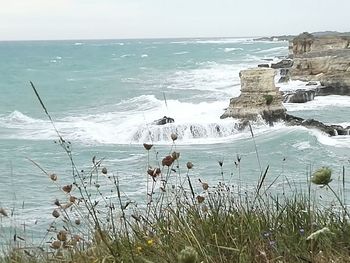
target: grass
186 221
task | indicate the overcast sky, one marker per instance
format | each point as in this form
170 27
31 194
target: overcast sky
81 19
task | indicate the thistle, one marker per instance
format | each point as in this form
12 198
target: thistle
322 176
188 255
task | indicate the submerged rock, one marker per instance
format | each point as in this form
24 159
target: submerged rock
259 96
332 130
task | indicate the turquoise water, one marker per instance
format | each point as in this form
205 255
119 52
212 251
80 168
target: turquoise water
103 96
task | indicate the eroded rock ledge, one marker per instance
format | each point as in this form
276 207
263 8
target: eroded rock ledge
260 97
325 59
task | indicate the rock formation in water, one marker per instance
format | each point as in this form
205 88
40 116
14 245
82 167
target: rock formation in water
325 59
332 130
299 96
164 120
259 96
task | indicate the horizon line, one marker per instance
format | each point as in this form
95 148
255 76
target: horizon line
134 38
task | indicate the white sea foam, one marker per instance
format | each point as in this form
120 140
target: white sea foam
223 78
181 53
273 50
214 41
230 49
144 56
294 85
127 55
320 102
302 145
78 44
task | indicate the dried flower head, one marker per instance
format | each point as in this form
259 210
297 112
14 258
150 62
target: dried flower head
154 172
173 136
56 244
77 221
188 255
205 209
53 177
67 188
57 202
322 176
189 165
55 213
221 163
205 186
72 199
200 199
3 212
104 170
62 235
147 146
168 160
175 155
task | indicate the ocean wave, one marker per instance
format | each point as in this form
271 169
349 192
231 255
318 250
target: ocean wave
181 53
273 50
17 117
214 41
209 76
229 49
127 55
320 102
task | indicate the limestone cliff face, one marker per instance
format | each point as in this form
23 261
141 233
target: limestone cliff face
325 59
259 96
306 42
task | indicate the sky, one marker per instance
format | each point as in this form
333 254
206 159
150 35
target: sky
109 19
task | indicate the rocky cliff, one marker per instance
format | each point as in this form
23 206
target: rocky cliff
259 96
325 59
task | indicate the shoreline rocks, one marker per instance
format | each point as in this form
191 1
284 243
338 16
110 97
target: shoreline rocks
323 58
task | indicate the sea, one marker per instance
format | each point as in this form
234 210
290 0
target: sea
103 97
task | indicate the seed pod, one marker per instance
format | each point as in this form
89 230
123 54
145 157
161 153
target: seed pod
77 221
173 136
168 160
147 146
67 188
3 212
62 235
189 165
53 177
205 209
72 199
104 170
56 244
55 213
200 199
205 186
175 155
57 202
153 172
